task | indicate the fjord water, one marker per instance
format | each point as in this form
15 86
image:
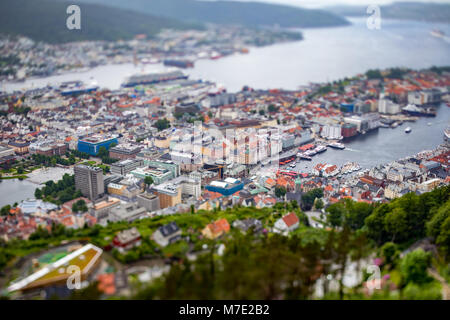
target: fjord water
385 145
324 54
330 54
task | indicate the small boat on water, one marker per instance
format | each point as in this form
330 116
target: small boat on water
320 149
429 123
408 130
437 33
336 145
304 156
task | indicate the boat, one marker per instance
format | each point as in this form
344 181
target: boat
350 167
447 135
76 87
179 63
408 130
414 110
215 55
437 33
429 123
151 78
336 145
320 149
304 156
310 153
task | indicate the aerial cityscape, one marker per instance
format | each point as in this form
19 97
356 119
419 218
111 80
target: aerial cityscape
283 153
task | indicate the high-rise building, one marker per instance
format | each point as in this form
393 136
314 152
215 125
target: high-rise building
89 180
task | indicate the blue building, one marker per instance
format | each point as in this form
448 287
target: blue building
226 187
347 107
92 144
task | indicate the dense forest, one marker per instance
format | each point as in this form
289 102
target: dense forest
45 20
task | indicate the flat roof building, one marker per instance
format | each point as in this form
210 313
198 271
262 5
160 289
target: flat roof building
126 166
92 144
127 212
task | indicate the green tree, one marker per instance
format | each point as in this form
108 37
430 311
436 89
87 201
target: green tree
162 124
80 206
38 193
280 191
5 210
309 197
375 224
272 108
148 180
396 222
374 74
102 152
414 267
444 236
389 252
318 204
434 225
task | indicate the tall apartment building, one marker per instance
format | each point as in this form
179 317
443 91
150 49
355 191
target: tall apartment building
90 181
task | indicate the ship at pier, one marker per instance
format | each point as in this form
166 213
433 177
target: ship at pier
414 110
152 78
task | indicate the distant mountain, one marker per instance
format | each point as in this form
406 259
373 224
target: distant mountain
429 12
231 12
45 20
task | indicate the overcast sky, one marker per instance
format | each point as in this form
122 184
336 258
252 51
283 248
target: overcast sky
322 3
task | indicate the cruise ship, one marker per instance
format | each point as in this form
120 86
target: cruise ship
414 110
70 88
155 77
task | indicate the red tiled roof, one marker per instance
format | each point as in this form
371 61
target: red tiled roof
290 219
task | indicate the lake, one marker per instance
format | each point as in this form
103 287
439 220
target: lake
14 190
